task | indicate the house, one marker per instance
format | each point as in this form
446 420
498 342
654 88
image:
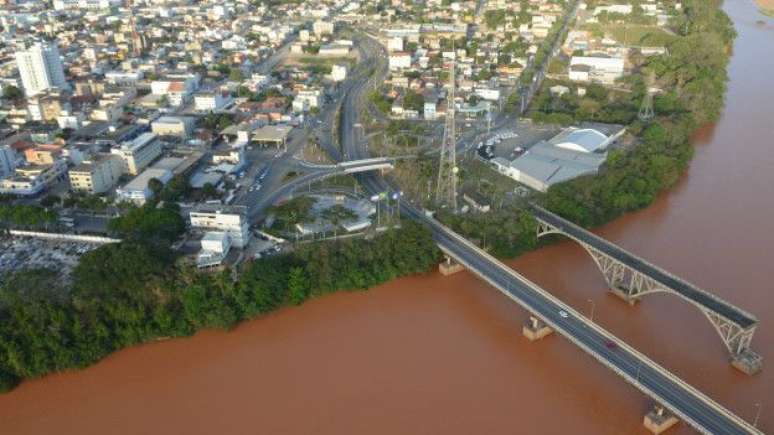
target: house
399 60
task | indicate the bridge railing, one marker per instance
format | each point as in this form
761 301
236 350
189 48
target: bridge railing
601 331
601 240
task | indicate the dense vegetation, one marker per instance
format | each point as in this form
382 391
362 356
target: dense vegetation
694 77
507 232
135 291
25 216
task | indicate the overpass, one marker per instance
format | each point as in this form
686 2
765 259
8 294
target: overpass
631 278
318 173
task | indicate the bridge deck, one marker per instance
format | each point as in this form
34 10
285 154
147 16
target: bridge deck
685 289
691 405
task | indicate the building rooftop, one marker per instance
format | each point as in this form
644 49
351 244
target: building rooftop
585 140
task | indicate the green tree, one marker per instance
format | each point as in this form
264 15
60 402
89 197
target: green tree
298 286
12 93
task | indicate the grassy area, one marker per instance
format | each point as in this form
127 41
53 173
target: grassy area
635 34
312 152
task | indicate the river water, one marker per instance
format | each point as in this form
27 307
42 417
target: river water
428 355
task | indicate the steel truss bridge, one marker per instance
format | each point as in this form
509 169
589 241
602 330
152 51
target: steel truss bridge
631 278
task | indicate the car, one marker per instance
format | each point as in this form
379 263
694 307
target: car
563 314
611 344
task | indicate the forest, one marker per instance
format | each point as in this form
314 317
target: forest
694 77
136 291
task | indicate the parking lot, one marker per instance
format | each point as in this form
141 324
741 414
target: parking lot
17 253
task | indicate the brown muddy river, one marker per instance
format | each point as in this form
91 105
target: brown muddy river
432 355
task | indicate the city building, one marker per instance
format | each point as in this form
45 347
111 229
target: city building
137 191
138 153
400 60
321 28
60 5
211 101
96 175
306 100
596 69
215 247
570 154
7 160
30 180
179 126
339 73
276 135
395 44
230 219
40 68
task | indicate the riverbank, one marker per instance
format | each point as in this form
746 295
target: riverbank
431 354
136 291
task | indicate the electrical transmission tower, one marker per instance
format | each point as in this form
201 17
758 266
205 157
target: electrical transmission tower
446 190
646 108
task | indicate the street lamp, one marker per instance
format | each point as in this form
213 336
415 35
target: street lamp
592 309
758 405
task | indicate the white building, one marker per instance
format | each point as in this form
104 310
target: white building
488 94
179 126
96 175
596 69
138 153
322 27
60 5
211 101
400 60
40 68
215 247
232 220
137 190
614 9
30 180
339 73
395 44
306 100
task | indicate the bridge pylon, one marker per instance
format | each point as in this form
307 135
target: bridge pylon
658 420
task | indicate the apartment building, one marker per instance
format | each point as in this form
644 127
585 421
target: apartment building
97 175
138 153
229 219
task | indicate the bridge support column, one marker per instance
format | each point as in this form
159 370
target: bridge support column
747 362
624 295
535 329
449 266
659 420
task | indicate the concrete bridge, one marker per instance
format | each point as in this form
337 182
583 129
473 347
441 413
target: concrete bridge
630 277
673 396
318 173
